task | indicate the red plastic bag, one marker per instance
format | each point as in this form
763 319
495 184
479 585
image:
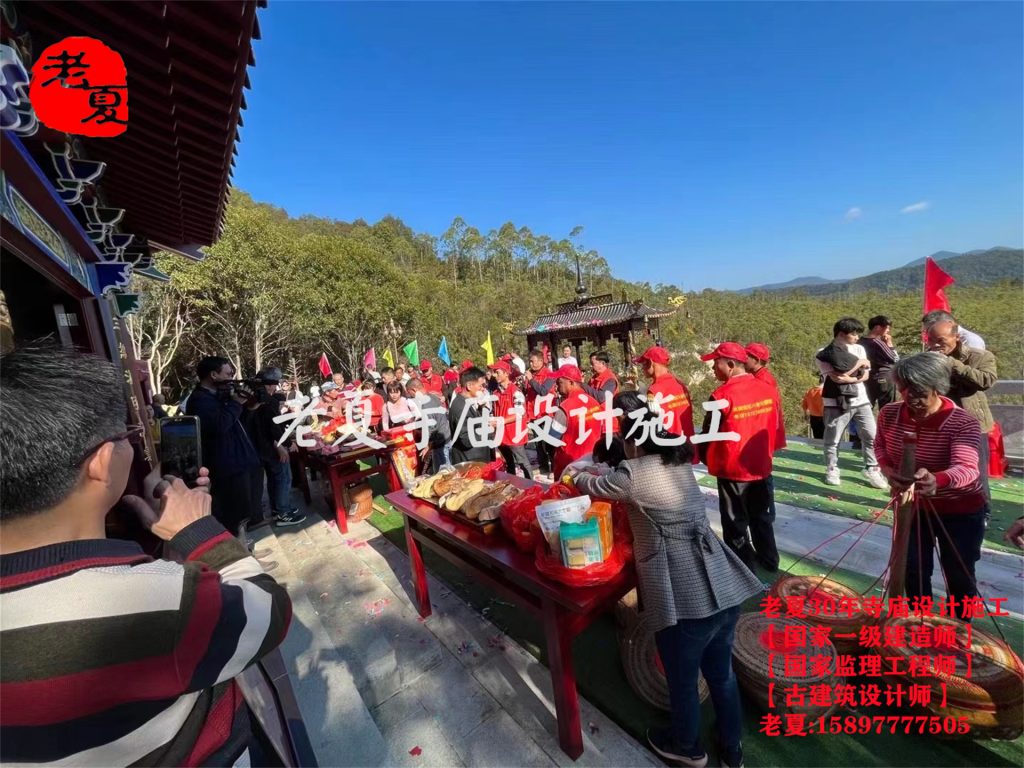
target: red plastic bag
490 472
560 491
550 565
519 518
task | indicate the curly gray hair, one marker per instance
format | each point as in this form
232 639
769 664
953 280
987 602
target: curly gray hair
923 372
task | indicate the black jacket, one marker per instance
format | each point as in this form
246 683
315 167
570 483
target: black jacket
227 449
462 447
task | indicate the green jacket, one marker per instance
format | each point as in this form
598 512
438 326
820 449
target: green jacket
974 371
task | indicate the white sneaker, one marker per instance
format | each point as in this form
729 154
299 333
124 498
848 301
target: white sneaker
876 479
832 477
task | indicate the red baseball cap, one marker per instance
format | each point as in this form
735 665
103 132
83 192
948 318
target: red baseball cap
727 349
501 365
655 355
426 365
570 372
450 376
466 365
760 351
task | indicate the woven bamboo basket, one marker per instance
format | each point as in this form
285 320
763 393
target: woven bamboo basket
992 698
822 598
639 654
750 657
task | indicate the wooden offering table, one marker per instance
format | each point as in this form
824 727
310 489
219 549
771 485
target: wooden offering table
494 559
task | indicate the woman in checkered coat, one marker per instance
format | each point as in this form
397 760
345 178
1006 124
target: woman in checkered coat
690 582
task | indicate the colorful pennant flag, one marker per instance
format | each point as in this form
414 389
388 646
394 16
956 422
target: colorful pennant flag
442 351
489 349
388 358
325 366
412 352
370 360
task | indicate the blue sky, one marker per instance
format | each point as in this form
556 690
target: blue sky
705 144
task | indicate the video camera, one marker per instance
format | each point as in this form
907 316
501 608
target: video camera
250 388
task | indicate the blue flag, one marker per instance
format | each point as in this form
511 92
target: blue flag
442 351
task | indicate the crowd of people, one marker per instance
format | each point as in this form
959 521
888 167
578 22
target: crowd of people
220 611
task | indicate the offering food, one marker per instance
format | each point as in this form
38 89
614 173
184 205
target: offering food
461 490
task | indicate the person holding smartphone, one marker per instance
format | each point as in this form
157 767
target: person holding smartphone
236 474
136 657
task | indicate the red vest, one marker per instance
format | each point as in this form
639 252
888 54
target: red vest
592 428
753 413
675 400
503 408
532 397
433 383
598 380
780 434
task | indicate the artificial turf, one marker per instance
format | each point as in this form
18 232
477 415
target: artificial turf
601 679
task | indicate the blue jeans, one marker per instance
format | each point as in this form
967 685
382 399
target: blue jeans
279 485
440 456
705 645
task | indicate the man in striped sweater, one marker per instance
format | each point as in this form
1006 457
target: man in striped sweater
110 657
952 505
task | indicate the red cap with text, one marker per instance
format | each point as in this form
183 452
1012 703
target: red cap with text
570 372
425 365
501 365
760 351
654 355
727 349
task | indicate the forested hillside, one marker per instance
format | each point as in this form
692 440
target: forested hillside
278 291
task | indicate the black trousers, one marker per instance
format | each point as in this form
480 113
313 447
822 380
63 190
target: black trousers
545 456
747 521
880 393
515 456
958 539
234 498
817 427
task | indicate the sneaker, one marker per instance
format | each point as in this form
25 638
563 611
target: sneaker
289 513
292 518
730 758
876 479
661 742
832 477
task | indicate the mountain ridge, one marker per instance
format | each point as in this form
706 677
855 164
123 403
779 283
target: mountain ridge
976 267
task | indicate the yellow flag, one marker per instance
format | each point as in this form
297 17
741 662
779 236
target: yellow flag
486 346
388 358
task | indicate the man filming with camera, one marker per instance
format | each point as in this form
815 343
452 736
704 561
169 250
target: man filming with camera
236 474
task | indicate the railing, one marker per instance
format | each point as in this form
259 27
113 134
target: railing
1006 399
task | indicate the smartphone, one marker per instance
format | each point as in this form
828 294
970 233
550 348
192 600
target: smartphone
181 453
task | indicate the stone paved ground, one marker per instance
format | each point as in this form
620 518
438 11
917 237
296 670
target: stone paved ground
379 686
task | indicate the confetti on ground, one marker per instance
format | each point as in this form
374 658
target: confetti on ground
594 730
323 595
354 544
376 608
832 498
415 751
464 647
332 523
497 642
421 620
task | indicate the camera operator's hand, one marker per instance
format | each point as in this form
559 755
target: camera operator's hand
282 454
168 505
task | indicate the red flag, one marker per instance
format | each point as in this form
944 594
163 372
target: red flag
935 282
325 367
370 359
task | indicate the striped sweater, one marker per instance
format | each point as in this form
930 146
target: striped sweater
947 446
113 658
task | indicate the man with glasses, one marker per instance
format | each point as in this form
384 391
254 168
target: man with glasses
236 474
111 657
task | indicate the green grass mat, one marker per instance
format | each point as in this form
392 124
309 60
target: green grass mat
601 680
800 481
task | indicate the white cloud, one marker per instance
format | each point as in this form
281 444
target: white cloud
853 213
924 205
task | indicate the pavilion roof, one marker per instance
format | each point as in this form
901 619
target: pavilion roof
187 69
